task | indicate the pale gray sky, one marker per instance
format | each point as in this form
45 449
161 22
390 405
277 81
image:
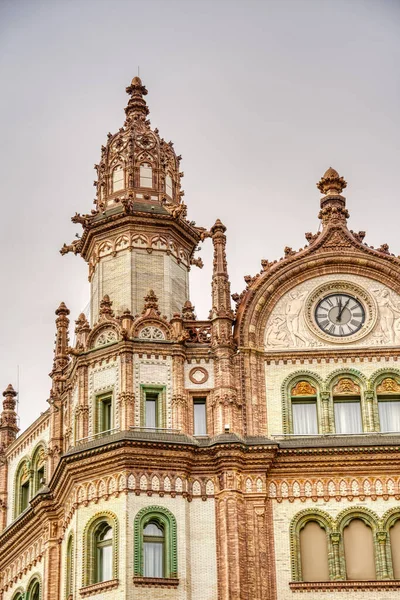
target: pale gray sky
260 98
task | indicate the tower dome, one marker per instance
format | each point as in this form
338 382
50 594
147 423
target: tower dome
135 162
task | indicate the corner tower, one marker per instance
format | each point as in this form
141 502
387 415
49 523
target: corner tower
137 238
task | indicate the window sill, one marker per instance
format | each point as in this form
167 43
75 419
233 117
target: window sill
156 581
342 586
96 588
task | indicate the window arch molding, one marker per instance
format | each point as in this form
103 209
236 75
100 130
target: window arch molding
166 519
89 542
38 465
35 580
69 564
18 594
357 379
289 382
23 477
298 523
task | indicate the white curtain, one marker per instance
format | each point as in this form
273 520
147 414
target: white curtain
389 415
153 559
348 417
106 563
200 424
305 418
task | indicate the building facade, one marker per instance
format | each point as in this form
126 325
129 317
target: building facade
250 456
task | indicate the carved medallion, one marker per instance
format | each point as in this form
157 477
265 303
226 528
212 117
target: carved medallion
346 386
388 386
198 375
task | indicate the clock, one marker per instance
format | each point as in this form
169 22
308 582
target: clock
340 314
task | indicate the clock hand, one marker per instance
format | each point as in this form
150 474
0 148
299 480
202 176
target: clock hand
340 314
339 317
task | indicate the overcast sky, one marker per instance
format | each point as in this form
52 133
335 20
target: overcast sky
260 98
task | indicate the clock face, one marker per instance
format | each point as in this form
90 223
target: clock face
339 315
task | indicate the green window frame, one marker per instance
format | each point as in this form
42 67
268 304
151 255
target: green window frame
94 542
104 413
22 487
34 590
69 571
165 521
153 406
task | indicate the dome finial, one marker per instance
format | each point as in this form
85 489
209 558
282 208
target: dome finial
331 183
137 107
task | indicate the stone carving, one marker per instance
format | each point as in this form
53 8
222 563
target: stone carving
151 333
106 337
388 386
286 326
303 388
198 375
346 386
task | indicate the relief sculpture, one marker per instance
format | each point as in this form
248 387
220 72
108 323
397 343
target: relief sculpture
287 327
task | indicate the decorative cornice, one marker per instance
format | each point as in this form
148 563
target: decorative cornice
342 586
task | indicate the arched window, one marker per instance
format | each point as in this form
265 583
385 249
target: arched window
359 551
38 463
100 549
33 591
168 186
104 552
153 550
304 408
314 552
347 406
146 175
69 571
118 178
388 396
18 596
22 488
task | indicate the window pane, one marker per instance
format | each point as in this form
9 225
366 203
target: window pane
24 496
359 551
168 185
395 548
314 553
105 566
118 179
348 417
305 418
153 529
389 415
151 408
199 417
146 175
153 559
105 407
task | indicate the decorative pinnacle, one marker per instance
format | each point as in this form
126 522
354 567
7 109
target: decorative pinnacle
137 104
150 302
331 184
218 227
62 310
9 391
106 312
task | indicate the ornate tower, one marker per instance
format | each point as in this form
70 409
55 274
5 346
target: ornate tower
137 238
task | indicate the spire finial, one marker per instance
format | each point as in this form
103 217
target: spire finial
137 108
333 204
331 183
